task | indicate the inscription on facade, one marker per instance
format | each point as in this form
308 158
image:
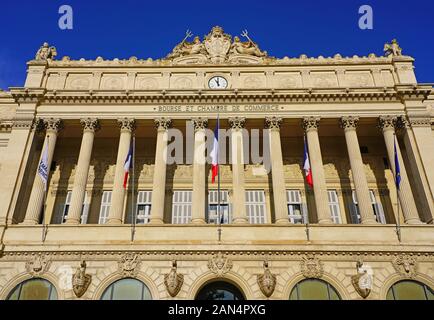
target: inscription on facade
218 108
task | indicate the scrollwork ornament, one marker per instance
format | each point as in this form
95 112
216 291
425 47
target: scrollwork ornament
37 265
173 280
387 122
81 280
219 264
127 124
200 123
53 124
237 123
405 265
349 122
310 123
267 281
311 266
273 123
90 124
129 264
163 123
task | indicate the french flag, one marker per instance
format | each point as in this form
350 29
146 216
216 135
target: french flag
214 152
127 165
306 165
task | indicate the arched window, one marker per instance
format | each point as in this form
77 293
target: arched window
410 290
34 289
314 289
219 290
127 289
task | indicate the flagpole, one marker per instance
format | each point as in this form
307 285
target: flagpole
398 224
219 230
307 230
133 207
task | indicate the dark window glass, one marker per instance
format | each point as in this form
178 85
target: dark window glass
219 290
410 290
127 289
34 289
314 289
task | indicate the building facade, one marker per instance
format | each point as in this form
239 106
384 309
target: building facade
352 235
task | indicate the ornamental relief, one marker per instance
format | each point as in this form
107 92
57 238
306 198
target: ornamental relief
147 84
79 83
253 82
113 83
289 81
292 171
182 83
359 79
147 171
183 171
324 80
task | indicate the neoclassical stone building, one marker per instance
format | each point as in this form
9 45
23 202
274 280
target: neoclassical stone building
350 236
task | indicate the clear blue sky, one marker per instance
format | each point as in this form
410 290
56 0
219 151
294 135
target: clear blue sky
151 28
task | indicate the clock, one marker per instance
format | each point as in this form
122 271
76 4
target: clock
217 82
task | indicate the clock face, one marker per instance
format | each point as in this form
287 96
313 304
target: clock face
217 82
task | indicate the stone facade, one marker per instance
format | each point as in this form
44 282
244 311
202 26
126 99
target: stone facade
351 112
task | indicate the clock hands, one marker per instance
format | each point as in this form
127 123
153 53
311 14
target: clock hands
217 80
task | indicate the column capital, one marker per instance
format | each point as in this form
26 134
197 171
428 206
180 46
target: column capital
163 123
273 123
349 122
237 123
90 124
387 122
310 123
200 123
127 124
53 124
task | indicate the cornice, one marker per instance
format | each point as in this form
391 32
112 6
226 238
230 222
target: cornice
223 96
413 92
27 95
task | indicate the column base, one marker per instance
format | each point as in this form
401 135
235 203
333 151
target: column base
282 221
114 221
369 221
29 222
198 221
156 221
413 221
72 221
240 221
325 221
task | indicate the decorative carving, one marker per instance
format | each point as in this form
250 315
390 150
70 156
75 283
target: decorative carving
420 122
273 122
46 52
37 265
81 280
127 124
310 123
217 44
147 84
237 123
129 264
82 83
219 264
200 123
289 82
173 280
362 281
405 265
183 83
113 83
53 124
252 82
267 281
392 48
163 123
311 266
90 124
349 122
21 124
387 122
249 47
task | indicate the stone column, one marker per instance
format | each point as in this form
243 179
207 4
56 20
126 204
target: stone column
82 170
199 178
408 206
118 193
239 214
159 187
310 125
37 195
279 189
349 125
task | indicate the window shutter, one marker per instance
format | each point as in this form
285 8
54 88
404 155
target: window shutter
255 206
334 206
105 207
295 211
143 206
181 206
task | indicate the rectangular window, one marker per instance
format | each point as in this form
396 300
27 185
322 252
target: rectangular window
376 206
65 209
334 206
255 206
181 206
213 207
105 207
144 199
295 207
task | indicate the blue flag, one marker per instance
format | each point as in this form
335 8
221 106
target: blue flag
397 169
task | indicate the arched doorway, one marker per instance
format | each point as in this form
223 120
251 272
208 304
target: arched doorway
34 289
219 290
410 290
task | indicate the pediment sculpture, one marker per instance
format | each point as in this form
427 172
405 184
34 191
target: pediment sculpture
46 52
217 47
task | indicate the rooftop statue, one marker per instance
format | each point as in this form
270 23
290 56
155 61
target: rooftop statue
392 49
248 47
46 52
185 48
